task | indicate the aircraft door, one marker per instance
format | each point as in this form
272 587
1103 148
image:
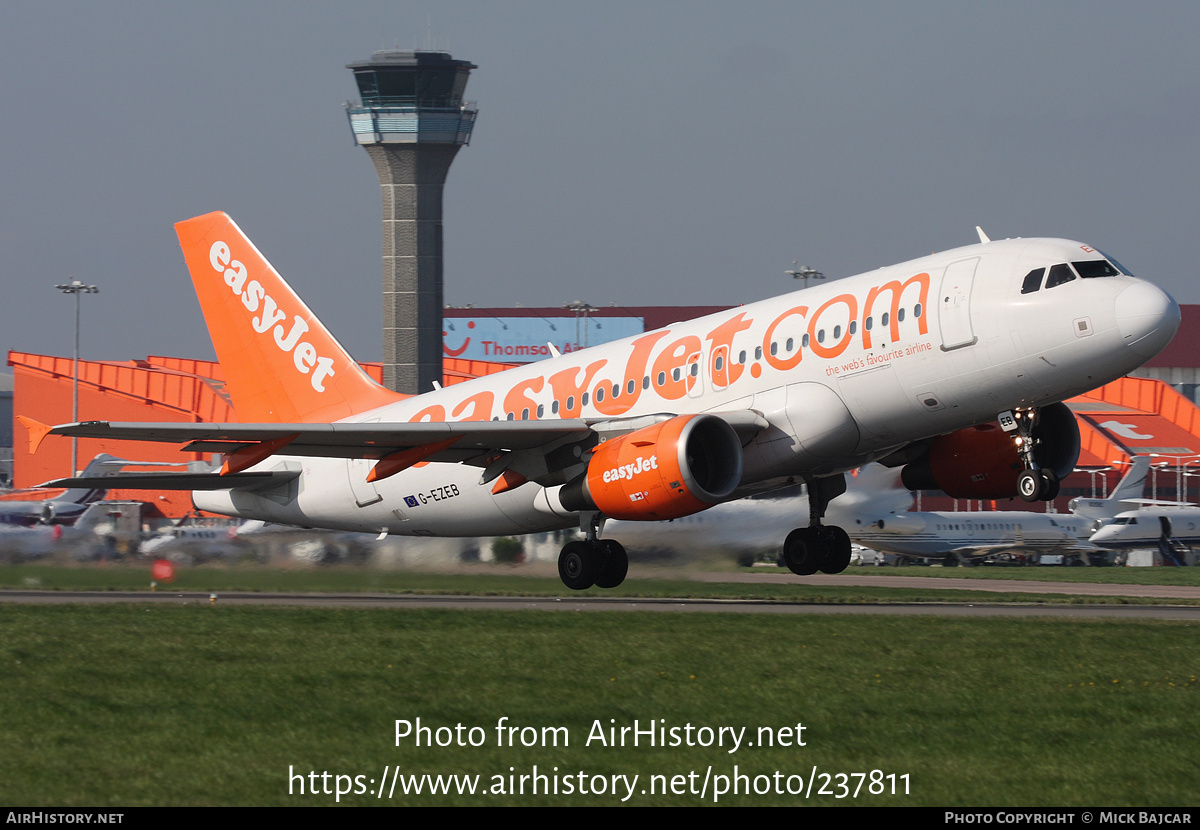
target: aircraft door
954 305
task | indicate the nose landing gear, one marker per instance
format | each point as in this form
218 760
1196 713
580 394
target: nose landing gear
1035 483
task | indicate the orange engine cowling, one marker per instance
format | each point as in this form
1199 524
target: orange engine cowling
671 469
982 462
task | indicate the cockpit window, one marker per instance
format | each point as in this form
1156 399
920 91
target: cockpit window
1095 268
1117 265
1033 281
1059 274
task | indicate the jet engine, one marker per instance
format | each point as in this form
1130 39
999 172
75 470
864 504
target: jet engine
982 462
671 469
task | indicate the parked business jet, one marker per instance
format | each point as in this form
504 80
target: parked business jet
910 365
26 510
1127 495
978 534
1144 527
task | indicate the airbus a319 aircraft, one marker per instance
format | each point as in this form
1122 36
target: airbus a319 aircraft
908 365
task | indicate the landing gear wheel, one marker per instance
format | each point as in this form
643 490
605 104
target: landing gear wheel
1029 485
1050 485
800 552
836 556
578 564
615 564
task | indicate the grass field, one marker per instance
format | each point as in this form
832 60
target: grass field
197 704
540 581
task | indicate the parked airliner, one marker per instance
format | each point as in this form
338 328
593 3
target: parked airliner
911 365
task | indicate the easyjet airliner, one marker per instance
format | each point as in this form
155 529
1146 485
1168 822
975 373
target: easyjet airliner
953 366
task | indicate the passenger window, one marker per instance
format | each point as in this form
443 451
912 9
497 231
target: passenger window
1033 281
1059 274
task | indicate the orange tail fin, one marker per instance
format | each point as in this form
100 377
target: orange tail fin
281 365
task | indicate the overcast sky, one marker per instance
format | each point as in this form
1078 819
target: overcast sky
625 152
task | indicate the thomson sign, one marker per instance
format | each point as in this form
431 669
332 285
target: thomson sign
526 339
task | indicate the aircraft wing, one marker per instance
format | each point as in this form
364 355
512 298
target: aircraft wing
358 440
181 481
526 448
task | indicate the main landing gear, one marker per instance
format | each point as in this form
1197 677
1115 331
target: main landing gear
599 562
1035 483
822 548
818 547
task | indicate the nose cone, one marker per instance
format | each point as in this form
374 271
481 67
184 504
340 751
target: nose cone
1148 318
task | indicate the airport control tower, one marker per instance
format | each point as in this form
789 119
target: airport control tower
411 120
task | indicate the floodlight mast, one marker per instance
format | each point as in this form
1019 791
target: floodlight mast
76 287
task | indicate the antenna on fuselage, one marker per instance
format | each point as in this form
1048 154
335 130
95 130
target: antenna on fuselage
983 237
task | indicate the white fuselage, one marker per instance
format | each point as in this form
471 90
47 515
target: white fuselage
1144 527
844 373
936 535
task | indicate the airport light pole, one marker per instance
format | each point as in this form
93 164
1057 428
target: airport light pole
76 287
805 273
1092 472
1181 475
584 309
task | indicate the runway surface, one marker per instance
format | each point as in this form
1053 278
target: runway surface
577 604
1005 586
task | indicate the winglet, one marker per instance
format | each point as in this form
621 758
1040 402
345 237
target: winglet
37 431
